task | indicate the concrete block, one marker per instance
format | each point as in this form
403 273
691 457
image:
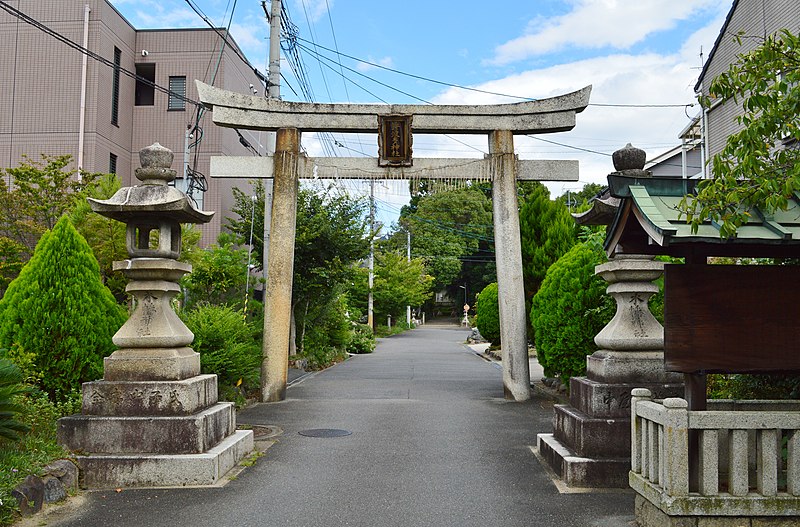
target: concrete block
578 471
113 471
156 435
149 398
629 367
648 515
592 437
151 364
599 399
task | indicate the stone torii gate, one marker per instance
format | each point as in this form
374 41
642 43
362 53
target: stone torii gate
393 123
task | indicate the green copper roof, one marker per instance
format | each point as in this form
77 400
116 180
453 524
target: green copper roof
649 206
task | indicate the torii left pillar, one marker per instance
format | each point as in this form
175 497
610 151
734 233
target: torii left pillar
280 275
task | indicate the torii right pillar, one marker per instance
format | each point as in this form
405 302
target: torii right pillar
508 251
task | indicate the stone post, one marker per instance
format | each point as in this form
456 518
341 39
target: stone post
278 302
508 250
632 343
637 395
676 447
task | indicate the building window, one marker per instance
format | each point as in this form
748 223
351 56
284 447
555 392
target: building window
115 88
177 93
145 85
112 164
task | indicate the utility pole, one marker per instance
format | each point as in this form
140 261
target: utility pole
408 259
273 92
370 319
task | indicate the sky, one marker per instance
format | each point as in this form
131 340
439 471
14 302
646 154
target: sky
639 54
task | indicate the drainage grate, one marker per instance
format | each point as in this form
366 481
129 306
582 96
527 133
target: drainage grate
325 432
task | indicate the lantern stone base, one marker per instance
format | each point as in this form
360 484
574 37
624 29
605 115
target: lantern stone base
151 364
577 471
591 441
148 470
154 433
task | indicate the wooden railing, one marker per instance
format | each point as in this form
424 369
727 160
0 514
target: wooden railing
746 458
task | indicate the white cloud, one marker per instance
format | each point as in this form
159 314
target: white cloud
595 24
630 79
314 9
386 62
251 39
155 15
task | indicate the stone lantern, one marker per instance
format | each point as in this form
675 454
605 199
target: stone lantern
591 441
153 419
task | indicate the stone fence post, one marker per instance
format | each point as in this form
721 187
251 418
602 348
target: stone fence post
676 447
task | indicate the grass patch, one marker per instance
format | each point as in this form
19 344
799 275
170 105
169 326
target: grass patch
35 450
385 331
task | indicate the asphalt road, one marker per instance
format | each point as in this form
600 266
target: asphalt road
432 443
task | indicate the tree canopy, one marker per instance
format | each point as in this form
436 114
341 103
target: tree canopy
760 164
33 196
547 231
452 231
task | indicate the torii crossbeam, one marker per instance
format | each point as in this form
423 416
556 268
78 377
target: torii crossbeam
500 122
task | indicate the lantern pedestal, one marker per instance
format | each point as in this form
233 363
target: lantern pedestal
153 420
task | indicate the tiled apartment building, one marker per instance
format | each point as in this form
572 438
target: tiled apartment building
45 109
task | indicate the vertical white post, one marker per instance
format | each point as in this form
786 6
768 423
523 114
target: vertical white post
709 463
653 434
408 259
84 73
508 250
370 299
676 447
738 482
637 424
767 463
278 301
793 463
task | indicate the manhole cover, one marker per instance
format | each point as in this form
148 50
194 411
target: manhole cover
262 432
325 432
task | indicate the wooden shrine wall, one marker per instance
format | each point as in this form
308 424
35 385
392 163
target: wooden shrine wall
732 318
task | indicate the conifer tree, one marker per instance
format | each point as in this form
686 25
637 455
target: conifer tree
547 231
59 311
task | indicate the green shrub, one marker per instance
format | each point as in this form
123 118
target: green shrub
570 308
744 386
324 330
228 346
488 314
363 340
59 310
10 387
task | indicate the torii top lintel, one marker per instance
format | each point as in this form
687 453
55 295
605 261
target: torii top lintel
234 110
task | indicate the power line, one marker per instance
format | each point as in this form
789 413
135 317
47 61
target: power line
224 37
478 90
